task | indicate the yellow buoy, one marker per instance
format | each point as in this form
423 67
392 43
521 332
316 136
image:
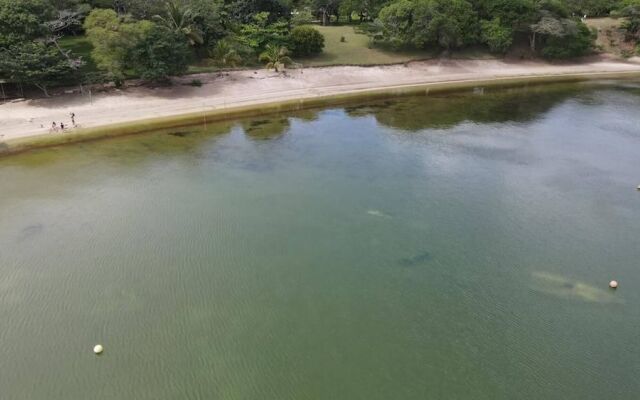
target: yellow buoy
613 284
98 349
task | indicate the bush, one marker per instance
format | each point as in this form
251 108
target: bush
302 17
578 44
497 36
160 54
306 40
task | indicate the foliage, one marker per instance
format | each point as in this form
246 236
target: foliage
261 32
138 9
306 40
367 10
592 8
37 63
225 54
180 19
160 54
209 19
424 23
29 52
497 36
23 20
113 38
574 43
275 57
244 11
302 17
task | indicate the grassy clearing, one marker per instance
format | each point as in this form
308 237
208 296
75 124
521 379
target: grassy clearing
357 50
80 46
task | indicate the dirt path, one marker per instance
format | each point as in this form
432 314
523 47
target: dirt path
34 117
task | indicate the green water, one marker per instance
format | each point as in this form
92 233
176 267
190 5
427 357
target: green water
453 247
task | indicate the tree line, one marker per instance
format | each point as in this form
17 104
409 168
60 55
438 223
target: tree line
156 39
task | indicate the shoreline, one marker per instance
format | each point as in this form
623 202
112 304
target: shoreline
143 110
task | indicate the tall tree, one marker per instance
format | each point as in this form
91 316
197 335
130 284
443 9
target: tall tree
24 20
36 63
180 18
160 54
113 37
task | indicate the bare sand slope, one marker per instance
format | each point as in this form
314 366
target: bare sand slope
34 117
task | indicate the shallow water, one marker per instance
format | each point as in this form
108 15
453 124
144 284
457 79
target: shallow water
452 247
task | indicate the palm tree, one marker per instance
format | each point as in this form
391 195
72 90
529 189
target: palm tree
275 57
223 55
180 19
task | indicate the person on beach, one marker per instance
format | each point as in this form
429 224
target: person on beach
54 127
62 126
73 119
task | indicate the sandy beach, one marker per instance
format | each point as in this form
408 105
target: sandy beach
25 118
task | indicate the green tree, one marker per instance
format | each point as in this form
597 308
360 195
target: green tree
180 19
302 17
275 57
113 38
161 53
37 63
244 11
424 23
306 40
261 32
23 20
496 35
576 41
209 19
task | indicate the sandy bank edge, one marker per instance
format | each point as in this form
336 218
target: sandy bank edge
22 144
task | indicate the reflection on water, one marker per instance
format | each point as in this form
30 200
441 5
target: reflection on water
455 246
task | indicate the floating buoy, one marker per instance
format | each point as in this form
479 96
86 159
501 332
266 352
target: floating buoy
613 284
98 349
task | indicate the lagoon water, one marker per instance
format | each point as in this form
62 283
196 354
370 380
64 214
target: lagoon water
449 247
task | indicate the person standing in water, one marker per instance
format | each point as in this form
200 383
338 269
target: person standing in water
62 126
54 127
73 119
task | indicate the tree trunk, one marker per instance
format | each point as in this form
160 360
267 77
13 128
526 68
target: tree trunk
43 88
324 16
532 41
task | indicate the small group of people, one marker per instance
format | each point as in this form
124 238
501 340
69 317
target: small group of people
56 128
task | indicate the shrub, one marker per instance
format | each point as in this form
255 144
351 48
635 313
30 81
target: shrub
301 17
497 36
578 44
160 54
306 40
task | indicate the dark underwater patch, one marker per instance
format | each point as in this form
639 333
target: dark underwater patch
179 134
418 259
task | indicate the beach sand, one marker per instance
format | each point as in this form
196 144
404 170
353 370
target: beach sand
22 119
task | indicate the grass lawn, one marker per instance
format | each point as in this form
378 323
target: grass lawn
355 50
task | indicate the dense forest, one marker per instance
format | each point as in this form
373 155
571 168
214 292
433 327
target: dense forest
156 39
